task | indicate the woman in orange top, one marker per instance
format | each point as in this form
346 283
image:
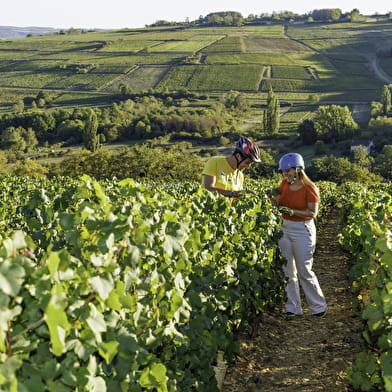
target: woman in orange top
299 199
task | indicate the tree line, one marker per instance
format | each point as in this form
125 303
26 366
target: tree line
332 123
158 119
234 18
141 117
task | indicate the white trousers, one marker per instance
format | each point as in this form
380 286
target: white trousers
297 246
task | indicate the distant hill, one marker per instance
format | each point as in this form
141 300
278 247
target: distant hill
302 62
12 32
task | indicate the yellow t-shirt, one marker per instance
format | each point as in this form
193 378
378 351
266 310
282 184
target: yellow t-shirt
226 177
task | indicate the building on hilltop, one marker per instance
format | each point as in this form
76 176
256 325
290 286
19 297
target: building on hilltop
366 144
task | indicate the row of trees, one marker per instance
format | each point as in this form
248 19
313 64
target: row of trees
23 133
150 117
92 127
159 163
333 123
382 107
143 117
138 161
233 18
361 168
340 170
380 124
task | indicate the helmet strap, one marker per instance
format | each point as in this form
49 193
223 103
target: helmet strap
295 177
239 161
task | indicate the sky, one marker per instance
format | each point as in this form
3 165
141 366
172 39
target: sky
118 14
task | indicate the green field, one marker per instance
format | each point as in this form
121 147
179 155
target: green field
290 72
330 59
291 85
129 46
273 30
141 78
215 77
371 29
255 44
227 44
348 45
297 114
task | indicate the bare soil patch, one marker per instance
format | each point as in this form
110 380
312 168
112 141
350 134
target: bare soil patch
305 353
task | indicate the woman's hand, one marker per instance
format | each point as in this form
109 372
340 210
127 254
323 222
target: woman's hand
286 210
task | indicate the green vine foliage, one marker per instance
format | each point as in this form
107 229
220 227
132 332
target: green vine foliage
368 236
126 286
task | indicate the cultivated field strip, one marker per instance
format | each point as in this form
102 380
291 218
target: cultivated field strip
319 59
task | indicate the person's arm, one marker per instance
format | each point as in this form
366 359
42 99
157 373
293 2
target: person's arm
209 183
275 200
311 212
275 195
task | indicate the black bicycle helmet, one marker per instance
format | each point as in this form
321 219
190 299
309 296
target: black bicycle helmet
248 149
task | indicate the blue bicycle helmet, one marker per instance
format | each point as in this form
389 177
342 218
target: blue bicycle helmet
290 160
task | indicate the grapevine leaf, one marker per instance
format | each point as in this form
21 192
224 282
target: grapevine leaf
9 367
67 221
171 330
387 258
11 277
34 383
137 313
77 347
172 243
113 301
97 260
96 384
134 253
374 316
56 386
3 345
139 236
96 320
12 245
176 303
92 365
128 182
194 242
154 377
53 264
386 367
57 322
384 242
49 369
102 286
110 241
99 192
8 314
108 350
387 298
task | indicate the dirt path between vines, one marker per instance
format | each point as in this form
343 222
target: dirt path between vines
303 353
